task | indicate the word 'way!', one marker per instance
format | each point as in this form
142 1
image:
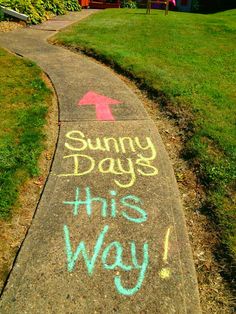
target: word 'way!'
129 207
125 169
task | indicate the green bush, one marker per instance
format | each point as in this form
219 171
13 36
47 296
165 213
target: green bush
36 9
128 4
195 6
33 8
1 15
55 6
72 5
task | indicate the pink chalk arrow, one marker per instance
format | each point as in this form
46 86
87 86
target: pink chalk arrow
103 111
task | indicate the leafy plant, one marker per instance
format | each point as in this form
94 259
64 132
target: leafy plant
72 5
195 6
1 15
36 9
33 8
128 4
55 6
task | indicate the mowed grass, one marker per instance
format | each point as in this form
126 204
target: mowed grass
188 61
24 100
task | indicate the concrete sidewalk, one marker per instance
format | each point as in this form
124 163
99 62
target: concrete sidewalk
109 235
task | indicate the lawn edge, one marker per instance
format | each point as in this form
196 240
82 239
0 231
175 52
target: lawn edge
31 191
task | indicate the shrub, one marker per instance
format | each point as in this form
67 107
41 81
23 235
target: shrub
33 8
128 4
1 15
55 6
36 9
72 5
195 6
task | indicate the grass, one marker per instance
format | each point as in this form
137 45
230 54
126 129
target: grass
24 101
188 61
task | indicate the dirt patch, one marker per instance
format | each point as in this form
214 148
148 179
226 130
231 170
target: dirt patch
15 229
8 26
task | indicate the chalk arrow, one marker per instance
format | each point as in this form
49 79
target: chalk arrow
103 111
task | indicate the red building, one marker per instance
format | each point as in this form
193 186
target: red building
100 4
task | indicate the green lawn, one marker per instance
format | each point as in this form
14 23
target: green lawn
24 100
188 61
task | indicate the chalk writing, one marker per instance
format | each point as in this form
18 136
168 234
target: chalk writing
118 263
123 159
109 207
103 111
130 207
125 168
165 272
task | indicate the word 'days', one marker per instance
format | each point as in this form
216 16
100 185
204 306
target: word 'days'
126 157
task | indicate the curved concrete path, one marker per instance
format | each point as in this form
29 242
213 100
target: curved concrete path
109 234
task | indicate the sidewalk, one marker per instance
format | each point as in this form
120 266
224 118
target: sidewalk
109 235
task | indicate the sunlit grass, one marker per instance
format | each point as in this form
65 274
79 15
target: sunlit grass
24 100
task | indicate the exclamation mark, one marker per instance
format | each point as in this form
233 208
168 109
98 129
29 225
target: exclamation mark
165 271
